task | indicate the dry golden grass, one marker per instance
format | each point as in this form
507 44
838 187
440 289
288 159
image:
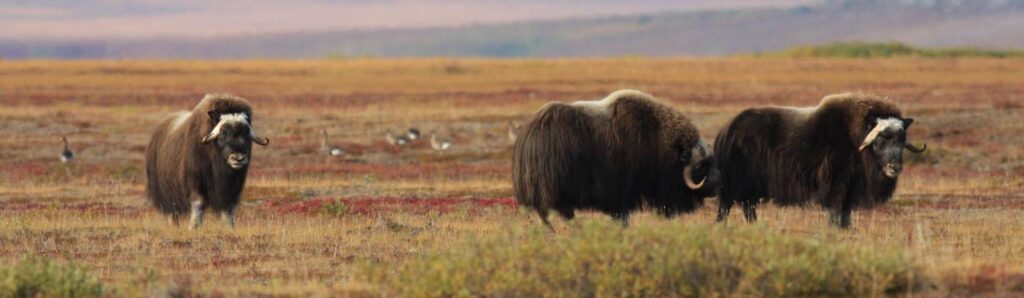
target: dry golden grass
956 211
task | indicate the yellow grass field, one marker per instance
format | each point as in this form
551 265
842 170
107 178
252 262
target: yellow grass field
307 223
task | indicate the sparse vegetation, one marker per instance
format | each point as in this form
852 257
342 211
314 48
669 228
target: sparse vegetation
949 219
601 259
891 49
41 277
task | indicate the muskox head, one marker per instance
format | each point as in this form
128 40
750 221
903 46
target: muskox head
701 173
233 137
883 146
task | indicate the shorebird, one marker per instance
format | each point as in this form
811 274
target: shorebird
513 131
67 155
413 134
439 144
330 150
396 140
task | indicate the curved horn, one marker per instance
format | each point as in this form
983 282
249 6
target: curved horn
263 141
879 127
915 149
696 154
871 137
214 133
688 178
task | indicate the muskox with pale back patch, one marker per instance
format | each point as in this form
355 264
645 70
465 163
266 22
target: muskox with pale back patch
625 152
198 160
844 154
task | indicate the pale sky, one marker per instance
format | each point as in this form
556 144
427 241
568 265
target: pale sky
56 19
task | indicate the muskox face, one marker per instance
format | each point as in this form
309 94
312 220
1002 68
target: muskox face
233 137
701 173
884 145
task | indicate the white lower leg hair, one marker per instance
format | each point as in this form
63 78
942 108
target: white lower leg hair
228 217
197 215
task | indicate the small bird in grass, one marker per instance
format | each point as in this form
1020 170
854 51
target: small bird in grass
439 144
67 155
413 134
330 150
513 131
396 140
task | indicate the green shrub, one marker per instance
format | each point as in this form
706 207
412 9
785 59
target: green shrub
892 49
40 277
602 259
335 208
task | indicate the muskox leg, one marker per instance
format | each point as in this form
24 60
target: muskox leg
724 206
749 210
228 216
543 214
623 217
172 219
840 218
197 215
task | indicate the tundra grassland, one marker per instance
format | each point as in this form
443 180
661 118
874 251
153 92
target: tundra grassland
308 223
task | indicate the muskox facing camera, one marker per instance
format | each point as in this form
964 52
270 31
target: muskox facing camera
616 155
198 160
844 154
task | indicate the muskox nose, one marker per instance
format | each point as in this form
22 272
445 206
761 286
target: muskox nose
237 159
893 169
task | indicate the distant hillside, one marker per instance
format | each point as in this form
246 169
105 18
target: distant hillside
893 49
987 24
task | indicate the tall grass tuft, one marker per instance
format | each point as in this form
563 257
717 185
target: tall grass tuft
603 259
40 277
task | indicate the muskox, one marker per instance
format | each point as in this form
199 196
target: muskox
844 154
199 159
615 155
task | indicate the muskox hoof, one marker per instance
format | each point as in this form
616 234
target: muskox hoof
839 219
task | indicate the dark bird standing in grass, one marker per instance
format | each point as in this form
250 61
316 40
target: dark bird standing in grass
67 156
413 134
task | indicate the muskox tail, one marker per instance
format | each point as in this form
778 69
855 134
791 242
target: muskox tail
549 158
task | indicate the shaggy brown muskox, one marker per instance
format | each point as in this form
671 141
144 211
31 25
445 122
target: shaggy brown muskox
845 154
615 155
199 159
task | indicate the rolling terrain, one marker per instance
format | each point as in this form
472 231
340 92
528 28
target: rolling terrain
991 24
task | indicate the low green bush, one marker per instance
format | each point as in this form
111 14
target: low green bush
335 208
40 277
602 259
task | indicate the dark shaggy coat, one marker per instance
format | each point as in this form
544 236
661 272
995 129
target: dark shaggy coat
615 155
179 167
800 155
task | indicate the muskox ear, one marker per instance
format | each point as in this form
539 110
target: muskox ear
684 153
214 116
870 124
